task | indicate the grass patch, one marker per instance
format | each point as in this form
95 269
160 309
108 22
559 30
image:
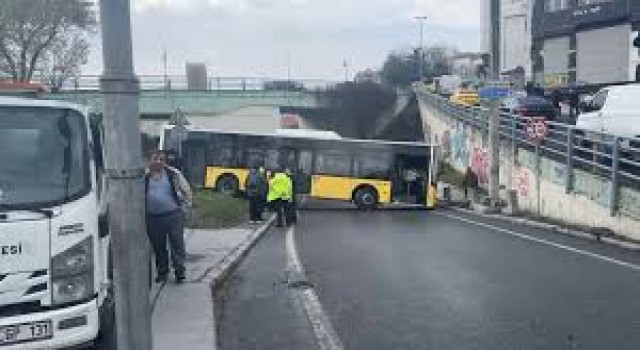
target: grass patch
450 175
212 210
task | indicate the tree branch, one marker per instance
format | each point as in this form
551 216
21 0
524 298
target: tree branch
38 52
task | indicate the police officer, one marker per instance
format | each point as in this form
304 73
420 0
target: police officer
279 195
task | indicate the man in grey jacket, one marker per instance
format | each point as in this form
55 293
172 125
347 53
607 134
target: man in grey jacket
168 197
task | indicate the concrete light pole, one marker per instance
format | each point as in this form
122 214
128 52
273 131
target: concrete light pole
421 20
129 245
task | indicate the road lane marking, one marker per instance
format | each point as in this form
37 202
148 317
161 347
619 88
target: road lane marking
322 328
545 242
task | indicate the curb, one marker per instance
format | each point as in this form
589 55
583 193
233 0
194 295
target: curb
554 228
218 273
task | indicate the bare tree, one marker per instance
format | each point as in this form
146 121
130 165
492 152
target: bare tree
46 35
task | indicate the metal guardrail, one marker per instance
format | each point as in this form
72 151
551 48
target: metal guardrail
609 156
179 82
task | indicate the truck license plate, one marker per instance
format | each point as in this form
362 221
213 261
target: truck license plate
25 332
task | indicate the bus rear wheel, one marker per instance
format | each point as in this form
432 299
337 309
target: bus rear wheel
366 198
228 184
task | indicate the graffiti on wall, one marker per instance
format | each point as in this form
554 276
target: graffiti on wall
522 182
446 145
455 145
480 164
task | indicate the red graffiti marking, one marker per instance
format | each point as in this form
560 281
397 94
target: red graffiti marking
522 182
480 164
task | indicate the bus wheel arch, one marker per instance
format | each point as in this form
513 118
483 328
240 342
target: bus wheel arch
366 197
228 184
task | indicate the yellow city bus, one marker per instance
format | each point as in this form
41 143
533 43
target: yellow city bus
367 173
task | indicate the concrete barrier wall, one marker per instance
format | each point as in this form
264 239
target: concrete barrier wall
540 189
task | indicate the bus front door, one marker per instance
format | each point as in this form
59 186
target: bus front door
409 180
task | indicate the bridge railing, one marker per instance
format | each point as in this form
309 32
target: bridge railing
179 82
613 157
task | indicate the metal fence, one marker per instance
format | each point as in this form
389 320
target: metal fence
611 157
179 82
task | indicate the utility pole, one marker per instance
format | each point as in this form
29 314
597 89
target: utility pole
421 20
494 122
494 151
164 62
120 89
345 64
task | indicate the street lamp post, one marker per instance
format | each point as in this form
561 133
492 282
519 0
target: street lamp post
421 20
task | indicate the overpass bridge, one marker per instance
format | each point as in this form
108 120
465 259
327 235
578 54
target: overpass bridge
241 104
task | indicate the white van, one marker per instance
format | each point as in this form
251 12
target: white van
613 110
55 288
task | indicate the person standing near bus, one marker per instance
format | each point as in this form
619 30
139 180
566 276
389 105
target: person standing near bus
255 188
168 197
263 199
470 181
280 193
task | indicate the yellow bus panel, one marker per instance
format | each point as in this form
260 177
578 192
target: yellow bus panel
213 174
335 187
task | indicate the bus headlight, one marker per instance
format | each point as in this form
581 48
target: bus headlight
72 273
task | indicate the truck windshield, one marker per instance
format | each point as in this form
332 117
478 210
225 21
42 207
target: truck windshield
43 157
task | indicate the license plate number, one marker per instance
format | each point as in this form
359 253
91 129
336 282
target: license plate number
25 332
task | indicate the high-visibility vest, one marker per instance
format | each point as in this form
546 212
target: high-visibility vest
280 187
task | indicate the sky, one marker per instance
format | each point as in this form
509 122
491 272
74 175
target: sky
311 38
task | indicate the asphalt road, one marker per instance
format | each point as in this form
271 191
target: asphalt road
256 309
422 280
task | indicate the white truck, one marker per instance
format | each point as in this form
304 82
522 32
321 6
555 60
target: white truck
614 110
55 284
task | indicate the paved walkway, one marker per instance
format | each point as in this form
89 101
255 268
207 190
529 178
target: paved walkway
183 314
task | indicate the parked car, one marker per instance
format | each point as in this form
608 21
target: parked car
530 106
466 97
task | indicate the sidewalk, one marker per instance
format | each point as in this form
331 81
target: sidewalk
183 314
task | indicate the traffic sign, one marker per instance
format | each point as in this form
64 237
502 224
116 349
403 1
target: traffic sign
493 93
536 129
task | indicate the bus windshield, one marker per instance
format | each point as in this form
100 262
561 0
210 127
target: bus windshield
43 157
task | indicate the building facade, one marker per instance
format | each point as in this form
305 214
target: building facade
515 36
585 42
466 65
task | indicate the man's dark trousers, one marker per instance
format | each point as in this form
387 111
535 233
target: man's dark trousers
290 212
255 210
168 226
279 206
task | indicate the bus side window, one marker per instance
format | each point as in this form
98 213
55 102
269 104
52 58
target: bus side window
222 151
272 160
333 163
254 158
305 163
372 166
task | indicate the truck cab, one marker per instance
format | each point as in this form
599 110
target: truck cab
55 288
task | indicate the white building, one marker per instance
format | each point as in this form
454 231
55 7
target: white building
515 35
465 65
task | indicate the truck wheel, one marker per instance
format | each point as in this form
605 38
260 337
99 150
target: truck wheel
366 198
228 184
